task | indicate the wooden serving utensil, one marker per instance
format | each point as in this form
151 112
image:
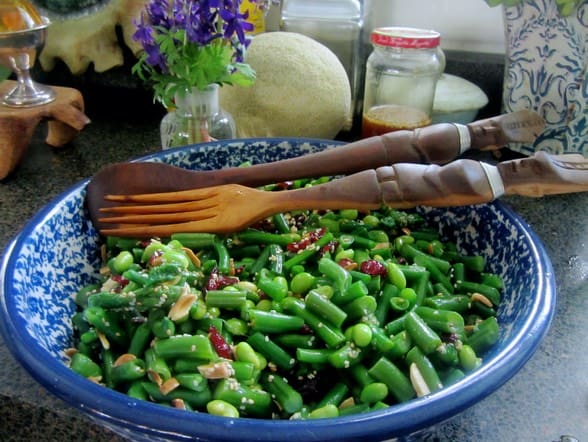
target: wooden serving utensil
436 144
232 207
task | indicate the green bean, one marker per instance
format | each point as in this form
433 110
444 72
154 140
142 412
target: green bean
340 277
397 382
223 257
356 290
468 358
331 336
382 309
360 307
136 391
324 308
426 368
399 304
276 287
85 366
456 303
458 273
436 275
107 365
157 368
485 335
276 259
354 409
296 340
274 322
380 340
334 396
243 371
360 374
81 297
272 351
128 371
401 344
192 381
410 252
227 299
445 321
282 392
452 375
249 401
345 356
190 347
195 241
106 322
163 328
473 287
140 339
327 411
421 334
259 237
313 355
195 399
281 223
492 280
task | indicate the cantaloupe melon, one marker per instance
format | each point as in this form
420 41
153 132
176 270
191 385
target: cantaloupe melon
301 90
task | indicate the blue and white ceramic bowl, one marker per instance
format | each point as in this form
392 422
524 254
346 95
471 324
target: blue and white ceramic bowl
57 252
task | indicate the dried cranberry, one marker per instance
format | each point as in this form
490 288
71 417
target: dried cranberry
223 349
330 247
284 185
216 281
121 280
373 268
307 240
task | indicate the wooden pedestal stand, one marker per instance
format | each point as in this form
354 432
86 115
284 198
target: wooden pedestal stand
65 117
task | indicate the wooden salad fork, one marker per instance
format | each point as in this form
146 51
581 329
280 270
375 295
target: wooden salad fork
232 207
437 144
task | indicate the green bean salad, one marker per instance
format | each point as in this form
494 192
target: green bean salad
305 315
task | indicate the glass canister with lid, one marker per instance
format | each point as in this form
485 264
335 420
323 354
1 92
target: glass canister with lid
400 79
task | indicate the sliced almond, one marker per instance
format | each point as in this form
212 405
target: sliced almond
178 403
181 308
482 299
103 340
217 370
168 386
192 256
127 357
418 381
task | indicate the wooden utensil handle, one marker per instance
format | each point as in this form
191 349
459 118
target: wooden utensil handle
545 174
459 183
435 144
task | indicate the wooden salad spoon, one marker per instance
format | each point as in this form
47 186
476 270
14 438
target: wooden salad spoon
232 207
435 144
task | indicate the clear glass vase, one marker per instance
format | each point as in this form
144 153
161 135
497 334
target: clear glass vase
197 118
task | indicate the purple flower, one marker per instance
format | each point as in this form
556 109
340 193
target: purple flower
192 43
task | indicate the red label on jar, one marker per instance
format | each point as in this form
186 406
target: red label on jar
407 38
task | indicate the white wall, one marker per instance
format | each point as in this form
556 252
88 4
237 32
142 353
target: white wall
469 25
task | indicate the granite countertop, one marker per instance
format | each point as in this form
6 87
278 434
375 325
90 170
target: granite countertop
546 400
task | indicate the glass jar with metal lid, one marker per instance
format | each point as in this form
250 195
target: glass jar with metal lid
400 80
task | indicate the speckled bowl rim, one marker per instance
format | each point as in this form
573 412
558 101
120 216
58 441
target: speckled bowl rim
104 405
